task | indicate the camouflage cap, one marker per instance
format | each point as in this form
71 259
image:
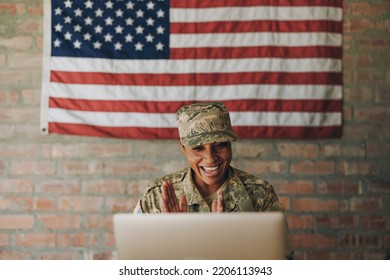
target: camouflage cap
203 123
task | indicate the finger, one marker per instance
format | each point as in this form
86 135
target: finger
183 203
166 207
172 197
220 207
214 206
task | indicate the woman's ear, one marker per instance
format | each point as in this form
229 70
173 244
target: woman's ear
182 148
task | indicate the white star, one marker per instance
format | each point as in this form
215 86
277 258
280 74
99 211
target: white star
57 43
119 13
78 12
150 21
150 5
77 28
58 11
68 4
88 21
87 37
119 29
68 20
88 4
139 13
159 46
108 38
139 46
129 38
97 45
77 44
149 38
130 5
118 46
109 5
58 27
139 29
98 29
160 13
99 13
129 21
160 30
68 36
109 21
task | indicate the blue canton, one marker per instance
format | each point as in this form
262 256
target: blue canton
121 29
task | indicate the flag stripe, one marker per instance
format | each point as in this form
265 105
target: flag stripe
172 106
136 119
228 92
238 3
169 133
259 52
192 66
256 26
227 13
199 78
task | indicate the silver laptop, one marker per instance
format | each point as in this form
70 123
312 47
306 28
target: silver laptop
195 236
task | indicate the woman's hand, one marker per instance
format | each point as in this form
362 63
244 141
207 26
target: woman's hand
217 205
169 199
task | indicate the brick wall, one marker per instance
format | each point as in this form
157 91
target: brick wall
58 193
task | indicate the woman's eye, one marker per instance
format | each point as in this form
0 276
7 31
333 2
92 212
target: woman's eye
197 148
221 145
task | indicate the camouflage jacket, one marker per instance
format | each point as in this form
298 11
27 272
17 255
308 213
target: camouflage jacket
241 192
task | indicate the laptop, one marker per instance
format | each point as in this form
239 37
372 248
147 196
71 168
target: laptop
201 236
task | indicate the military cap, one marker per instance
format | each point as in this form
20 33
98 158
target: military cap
203 123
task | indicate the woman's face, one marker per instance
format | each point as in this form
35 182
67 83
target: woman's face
209 163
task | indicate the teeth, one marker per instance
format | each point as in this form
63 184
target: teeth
210 168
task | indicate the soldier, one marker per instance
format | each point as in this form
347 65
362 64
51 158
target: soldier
209 184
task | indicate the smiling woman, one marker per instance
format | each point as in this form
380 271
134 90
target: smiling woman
209 183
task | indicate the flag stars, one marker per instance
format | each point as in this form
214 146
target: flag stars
109 21
129 21
77 28
88 21
160 13
109 5
119 13
58 27
139 29
119 29
68 36
130 5
88 4
159 46
78 12
99 13
68 19
129 38
150 5
140 14
68 4
160 30
97 45
149 38
108 38
150 21
139 46
118 46
87 37
77 44
98 29
57 43
58 12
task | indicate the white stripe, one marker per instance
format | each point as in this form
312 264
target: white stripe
196 66
251 39
255 13
169 120
205 93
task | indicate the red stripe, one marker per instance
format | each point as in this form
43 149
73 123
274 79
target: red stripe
259 52
171 133
314 78
249 3
256 26
173 106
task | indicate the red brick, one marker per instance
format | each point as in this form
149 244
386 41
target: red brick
258 167
96 221
369 9
29 26
120 204
131 167
19 115
366 204
137 187
337 222
7 131
285 201
373 114
102 255
64 254
82 167
30 96
305 240
378 149
21 151
300 221
35 11
298 150
14 254
105 186
308 204
17 43
12 78
2 168
359 241
358 25
294 187
58 187
59 221
27 59
20 186
114 150
4 239
45 204
309 167
17 203
89 204
340 187
379 187
357 168
16 221
12 9
375 222
337 150
73 239
35 239
33 168
248 149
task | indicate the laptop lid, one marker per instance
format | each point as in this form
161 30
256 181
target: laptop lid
223 236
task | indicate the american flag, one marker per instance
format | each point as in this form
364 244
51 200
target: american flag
123 68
